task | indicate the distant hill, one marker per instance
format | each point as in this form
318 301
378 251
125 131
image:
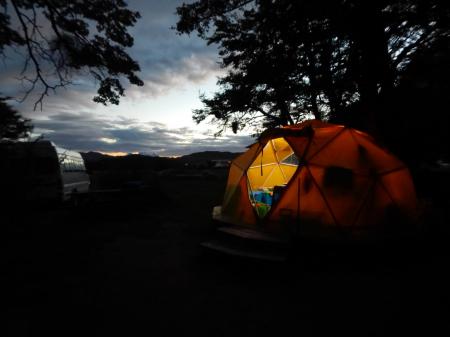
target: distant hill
92 156
96 161
100 162
206 156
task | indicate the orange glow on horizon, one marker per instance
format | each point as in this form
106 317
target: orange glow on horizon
122 154
118 154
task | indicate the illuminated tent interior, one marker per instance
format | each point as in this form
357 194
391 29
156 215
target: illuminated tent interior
269 174
319 176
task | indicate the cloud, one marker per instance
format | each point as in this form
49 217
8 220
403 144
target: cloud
90 132
168 61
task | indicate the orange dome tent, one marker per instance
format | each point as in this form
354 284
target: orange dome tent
314 178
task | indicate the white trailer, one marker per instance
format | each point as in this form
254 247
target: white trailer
42 172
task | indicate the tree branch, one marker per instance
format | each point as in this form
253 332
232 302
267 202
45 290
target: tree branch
402 55
38 78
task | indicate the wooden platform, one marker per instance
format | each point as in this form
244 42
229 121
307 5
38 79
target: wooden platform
226 248
251 234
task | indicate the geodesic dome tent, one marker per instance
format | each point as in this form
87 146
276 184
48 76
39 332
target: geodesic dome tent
316 176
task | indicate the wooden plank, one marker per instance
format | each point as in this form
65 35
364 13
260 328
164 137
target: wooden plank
226 249
248 233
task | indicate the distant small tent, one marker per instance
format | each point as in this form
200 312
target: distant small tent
317 178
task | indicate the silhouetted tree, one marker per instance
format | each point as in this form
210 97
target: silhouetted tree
60 38
417 108
287 60
12 125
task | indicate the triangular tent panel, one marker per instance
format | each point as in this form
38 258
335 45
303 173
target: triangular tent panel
375 208
239 210
379 159
288 171
343 151
321 138
234 177
244 160
302 202
399 186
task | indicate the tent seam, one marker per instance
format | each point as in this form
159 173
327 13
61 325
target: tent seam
327 143
323 196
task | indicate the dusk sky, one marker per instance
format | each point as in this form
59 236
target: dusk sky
154 119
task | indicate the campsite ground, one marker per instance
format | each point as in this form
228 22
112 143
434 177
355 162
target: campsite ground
133 267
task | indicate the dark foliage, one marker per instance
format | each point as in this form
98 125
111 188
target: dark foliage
12 125
61 38
352 62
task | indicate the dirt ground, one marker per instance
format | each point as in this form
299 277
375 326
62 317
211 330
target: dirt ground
134 267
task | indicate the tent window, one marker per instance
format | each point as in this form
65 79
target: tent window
269 174
291 160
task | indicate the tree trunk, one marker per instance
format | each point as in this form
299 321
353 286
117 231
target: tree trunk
285 115
335 102
313 84
375 73
315 108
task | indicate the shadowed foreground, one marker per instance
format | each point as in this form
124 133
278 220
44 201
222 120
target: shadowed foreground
135 268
